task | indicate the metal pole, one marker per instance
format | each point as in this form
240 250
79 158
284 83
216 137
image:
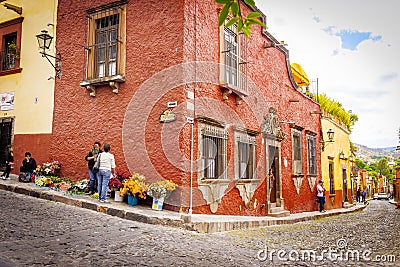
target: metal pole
194 112
191 172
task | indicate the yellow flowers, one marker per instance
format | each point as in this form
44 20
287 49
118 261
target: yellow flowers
134 185
43 181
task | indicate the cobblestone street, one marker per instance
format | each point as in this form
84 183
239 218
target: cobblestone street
36 232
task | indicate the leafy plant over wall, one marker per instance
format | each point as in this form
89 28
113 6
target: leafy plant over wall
336 109
12 48
244 23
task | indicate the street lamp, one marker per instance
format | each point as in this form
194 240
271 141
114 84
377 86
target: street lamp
331 135
44 42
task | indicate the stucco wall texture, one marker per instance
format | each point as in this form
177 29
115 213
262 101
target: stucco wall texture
161 35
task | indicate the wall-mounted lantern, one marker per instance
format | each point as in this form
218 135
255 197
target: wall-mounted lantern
44 41
331 136
341 155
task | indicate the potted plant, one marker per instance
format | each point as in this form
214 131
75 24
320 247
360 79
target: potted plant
115 185
160 190
134 187
12 55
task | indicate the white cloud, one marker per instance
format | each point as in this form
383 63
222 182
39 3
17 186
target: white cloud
365 80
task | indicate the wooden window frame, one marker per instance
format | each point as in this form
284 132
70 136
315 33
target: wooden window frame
95 17
312 155
297 152
6 28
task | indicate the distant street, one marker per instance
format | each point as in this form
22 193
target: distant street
36 232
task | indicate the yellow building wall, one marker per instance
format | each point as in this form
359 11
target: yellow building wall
33 87
331 153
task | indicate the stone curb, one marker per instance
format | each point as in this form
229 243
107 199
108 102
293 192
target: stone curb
183 221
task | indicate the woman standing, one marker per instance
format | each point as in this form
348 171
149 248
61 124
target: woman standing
9 162
106 168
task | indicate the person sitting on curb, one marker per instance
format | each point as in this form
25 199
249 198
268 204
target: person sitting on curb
28 164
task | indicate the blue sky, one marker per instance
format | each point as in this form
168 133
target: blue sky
352 47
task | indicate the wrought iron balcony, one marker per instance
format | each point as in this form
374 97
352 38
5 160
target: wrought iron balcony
8 61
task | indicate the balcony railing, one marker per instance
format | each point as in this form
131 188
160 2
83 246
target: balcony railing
8 61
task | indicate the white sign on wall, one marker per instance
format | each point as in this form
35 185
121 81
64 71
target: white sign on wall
7 101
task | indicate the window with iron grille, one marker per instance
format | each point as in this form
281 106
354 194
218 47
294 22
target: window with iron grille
10 54
296 147
233 71
106 35
245 148
312 158
10 46
213 152
231 57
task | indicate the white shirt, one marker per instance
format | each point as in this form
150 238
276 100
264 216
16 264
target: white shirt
107 161
320 191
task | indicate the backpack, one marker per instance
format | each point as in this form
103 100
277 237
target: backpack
24 177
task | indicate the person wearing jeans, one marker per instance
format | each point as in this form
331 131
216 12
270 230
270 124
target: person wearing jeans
321 195
91 159
106 168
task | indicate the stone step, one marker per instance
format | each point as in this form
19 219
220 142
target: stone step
347 205
282 213
278 212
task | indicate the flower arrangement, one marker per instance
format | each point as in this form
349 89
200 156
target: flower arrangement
161 189
79 187
64 186
121 175
134 185
43 181
49 168
115 184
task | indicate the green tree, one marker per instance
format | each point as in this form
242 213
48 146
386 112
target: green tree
361 164
383 168
232 8
396 165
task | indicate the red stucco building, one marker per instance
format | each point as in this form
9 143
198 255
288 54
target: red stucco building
180 98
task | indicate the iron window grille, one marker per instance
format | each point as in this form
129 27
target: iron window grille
312 158
246 149
213 154
105 41
297 158
9 56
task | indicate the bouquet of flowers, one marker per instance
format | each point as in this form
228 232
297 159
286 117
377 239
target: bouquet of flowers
44 181
49 168
161 189
134 185
79 187
121 175
115 184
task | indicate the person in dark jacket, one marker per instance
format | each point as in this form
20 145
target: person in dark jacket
9 156
358 195
91 158
28 164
